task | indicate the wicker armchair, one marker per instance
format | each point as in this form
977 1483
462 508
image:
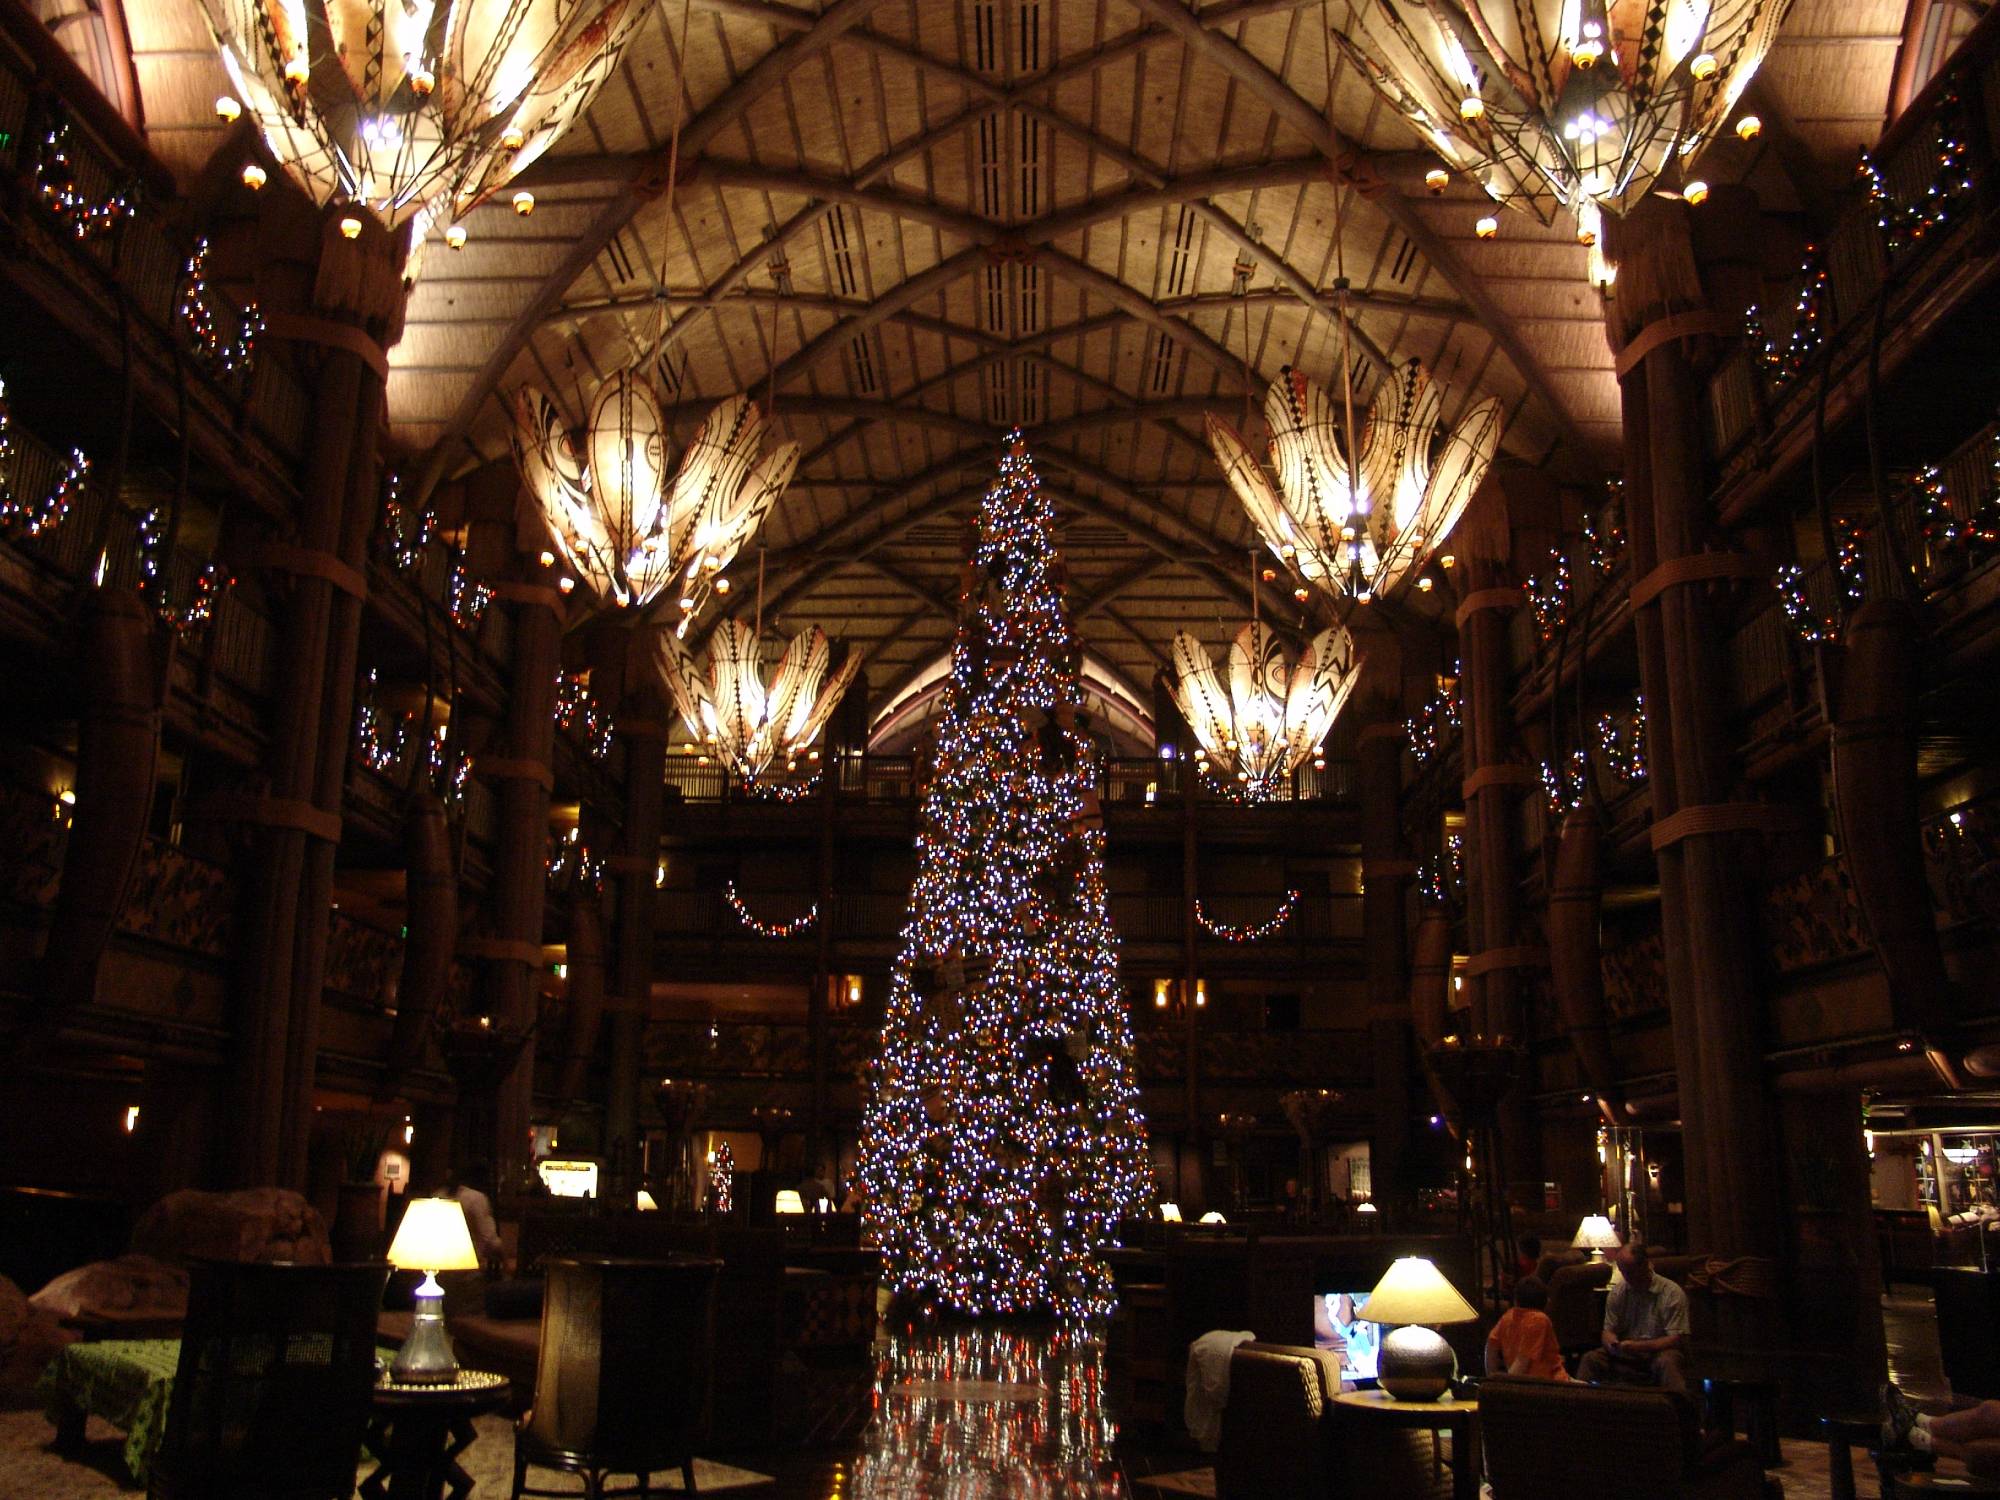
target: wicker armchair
1544 1439
1284 1439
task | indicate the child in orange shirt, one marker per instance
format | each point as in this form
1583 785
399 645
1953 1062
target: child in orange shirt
1523 1342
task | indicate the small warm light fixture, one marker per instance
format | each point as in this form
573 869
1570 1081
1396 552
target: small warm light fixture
1170 1213
131 1118
432 1237
1366 1206
1415 1363
644 1203
789 1201
1200 993
297 69
1424 584
1596 1235
1436 180
1471 107
227 109
511 138
1696 192
1447 560
1213 1217
350 227
1487 227
1703 65
254 176
1749 128
524 203
454 236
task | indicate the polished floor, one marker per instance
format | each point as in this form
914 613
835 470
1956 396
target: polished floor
965 1413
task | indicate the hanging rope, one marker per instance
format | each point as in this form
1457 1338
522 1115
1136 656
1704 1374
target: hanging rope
673 181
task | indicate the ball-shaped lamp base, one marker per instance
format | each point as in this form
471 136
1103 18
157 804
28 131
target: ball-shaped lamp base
1415 1363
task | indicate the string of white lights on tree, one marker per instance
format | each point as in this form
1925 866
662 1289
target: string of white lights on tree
1000 1140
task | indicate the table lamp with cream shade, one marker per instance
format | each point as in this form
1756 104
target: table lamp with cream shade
1415 1362
1596 1235
433 1237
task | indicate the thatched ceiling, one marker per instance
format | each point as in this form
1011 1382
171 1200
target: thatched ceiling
917 221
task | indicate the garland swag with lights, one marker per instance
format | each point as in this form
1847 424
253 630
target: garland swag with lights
1001 1141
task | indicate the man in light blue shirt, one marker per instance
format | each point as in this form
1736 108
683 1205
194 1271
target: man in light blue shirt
1645 1329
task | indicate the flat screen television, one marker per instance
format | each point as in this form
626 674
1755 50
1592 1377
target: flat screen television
1338 1326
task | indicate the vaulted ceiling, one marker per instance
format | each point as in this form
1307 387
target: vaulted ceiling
912 223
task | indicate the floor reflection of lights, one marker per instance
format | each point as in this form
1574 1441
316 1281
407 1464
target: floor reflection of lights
968 1412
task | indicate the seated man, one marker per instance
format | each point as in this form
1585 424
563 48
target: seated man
1645 1329
1523 1342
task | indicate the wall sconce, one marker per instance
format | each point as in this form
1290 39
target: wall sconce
1200 993
1162 991
131 1118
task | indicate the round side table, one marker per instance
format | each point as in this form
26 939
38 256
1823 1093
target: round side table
416 1433
1459 1418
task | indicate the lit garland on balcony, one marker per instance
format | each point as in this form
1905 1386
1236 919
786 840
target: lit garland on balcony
1808 324
577 708
1432 725
380 751
572 861
1621 739
20 520
56 186
1849 571
219 353
1250 932
406 536
449 771
1441 876
1903 224
783 791
768 929
1564 789
1603 537
1548 596
464 596
209 583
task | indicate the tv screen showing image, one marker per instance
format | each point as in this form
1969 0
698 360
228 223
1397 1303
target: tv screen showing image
1339 1327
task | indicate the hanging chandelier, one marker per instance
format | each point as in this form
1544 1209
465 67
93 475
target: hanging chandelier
635 531
1276 713
750 726
415 107
1359 532
1562 105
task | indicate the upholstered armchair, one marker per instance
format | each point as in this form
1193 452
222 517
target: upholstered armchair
1283 1438
1544 1438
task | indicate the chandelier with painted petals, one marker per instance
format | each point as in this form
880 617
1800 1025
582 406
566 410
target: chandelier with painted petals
416 107
1558 106
1275 714
633 528
753 727
1359 531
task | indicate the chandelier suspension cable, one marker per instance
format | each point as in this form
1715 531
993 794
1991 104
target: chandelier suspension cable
673 180
1341 303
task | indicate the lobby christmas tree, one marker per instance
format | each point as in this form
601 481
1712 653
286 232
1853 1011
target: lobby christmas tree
1001 1140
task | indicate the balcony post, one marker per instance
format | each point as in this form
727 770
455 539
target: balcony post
819 1160
1385 866
350 310
510 969
643 729
1197 1135
1734 1168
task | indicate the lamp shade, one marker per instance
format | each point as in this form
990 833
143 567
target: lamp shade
1170 1213
789 1201
1413 1290
433 1237
1595 1233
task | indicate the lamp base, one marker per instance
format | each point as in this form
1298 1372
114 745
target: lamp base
1415 1363
426 1357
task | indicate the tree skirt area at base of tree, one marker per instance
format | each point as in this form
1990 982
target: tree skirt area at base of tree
31 1470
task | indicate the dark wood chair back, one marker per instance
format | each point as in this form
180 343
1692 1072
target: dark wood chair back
622 1380
272 1392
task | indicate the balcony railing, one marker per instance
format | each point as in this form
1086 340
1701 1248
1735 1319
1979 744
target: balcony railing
878 916
1126 782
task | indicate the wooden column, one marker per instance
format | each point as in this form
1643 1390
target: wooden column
1385 867
817 1040
510 970
350 316
1735 1181
1197 1130
643 728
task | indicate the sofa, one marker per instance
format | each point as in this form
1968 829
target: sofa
1546 1438
1284 1438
